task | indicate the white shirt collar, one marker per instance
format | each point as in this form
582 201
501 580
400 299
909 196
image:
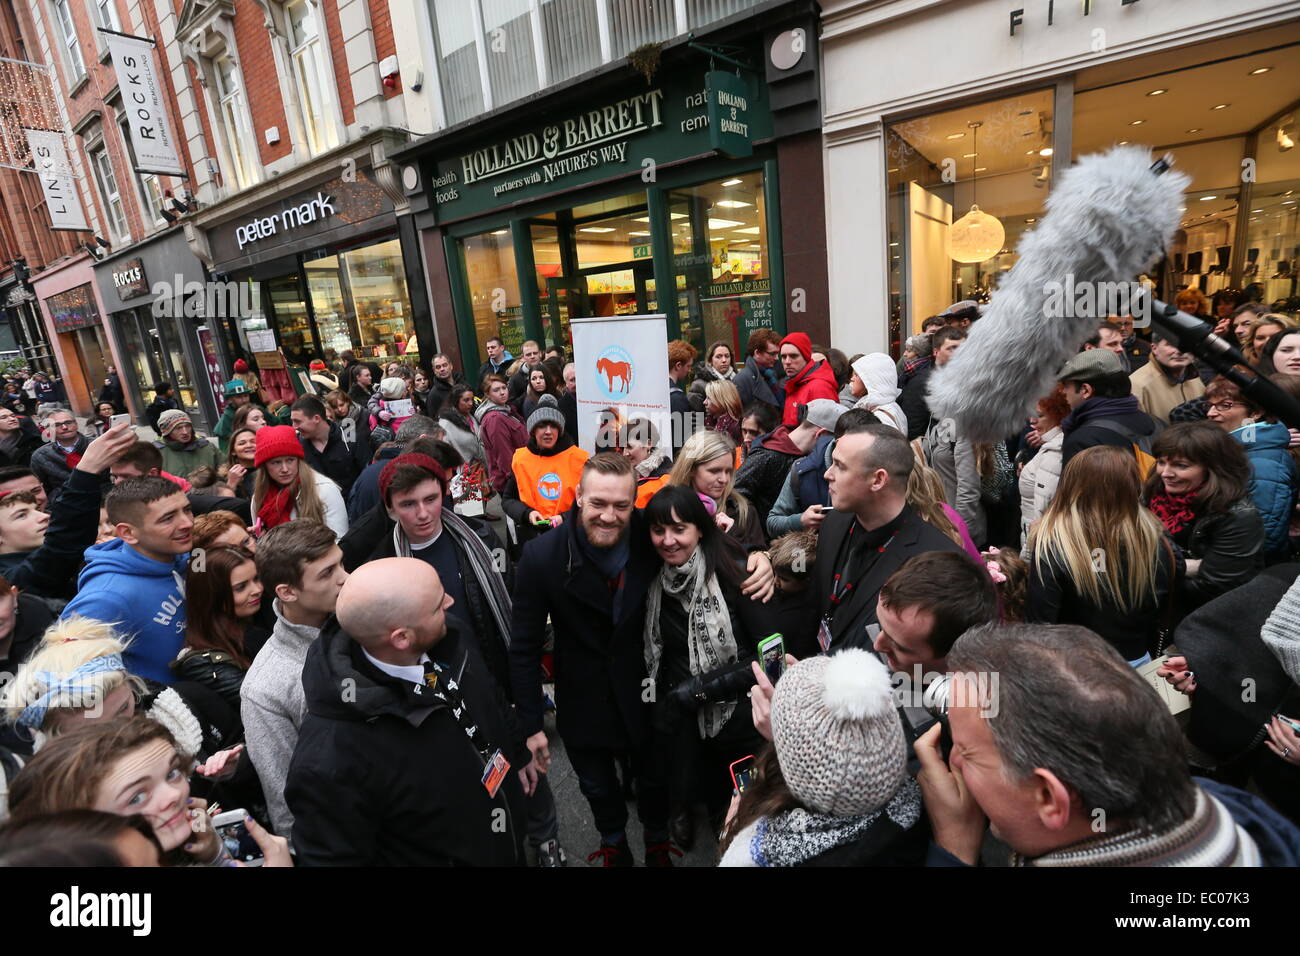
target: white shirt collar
407 672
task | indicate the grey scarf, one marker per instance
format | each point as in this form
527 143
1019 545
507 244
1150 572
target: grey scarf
794 836
481 565
708 629
1281 632
649 464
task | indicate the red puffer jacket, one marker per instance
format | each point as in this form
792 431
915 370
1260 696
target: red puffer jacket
815 381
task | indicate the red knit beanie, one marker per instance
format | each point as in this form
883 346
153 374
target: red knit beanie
426 462
800 341
276 441
241 366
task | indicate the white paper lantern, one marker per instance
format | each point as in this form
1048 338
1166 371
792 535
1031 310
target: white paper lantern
975 237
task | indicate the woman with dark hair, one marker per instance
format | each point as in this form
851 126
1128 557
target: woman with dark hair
1274 478
457 420
1281 353
717 364
222 598
42 840
540 382
1099 559
756 420
1040 474
102 419
700 635
131 766
250 416
1199 489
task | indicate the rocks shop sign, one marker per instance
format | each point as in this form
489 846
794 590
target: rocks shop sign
662 125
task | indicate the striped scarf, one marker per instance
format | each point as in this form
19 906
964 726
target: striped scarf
1209 837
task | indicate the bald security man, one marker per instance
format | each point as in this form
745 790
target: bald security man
409 754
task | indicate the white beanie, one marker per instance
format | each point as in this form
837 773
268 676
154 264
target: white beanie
392 389
838 737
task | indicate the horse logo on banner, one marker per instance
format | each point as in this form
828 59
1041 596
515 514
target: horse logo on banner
549 486
614 372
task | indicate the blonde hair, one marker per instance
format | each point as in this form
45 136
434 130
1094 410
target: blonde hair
1097 529
725 398
66 645
925 496
706 446
1271 318
307 501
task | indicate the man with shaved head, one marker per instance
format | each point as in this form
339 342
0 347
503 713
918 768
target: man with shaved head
409 754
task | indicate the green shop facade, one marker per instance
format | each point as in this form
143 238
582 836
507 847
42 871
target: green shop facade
614 195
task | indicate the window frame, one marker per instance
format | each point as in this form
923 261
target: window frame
234 127
98 154
72 55
314 53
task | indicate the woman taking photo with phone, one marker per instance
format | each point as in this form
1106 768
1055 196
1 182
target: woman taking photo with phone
222 634
102 420
129 766
832 789
288 488
1099 559
706 465
1199 489
700 635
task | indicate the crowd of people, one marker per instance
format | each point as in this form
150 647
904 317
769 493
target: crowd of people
816 623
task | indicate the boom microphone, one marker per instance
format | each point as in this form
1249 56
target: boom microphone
1108 219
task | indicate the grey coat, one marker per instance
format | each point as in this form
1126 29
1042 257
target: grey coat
272 707
954 459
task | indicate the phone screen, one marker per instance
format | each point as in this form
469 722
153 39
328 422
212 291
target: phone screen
774 660
240 843
741 772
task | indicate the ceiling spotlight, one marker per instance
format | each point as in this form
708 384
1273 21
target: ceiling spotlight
1259 70
1137 122
1220 106
1157 92
1045 151
732 182
956 135
1194 129
1208 198
1123 142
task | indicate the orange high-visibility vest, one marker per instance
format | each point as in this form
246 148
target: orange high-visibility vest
646 490
548 485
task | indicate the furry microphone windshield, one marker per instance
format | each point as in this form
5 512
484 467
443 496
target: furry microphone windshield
1108 219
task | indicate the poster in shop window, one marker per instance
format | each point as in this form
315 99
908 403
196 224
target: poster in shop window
144 104
622 375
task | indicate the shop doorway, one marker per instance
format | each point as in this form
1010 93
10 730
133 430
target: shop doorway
156 354
90 356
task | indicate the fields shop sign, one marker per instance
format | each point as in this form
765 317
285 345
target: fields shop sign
625 135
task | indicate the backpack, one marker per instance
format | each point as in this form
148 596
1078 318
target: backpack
1141 444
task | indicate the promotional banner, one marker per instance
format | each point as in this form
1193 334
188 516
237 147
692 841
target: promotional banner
621 364
50 158
144 103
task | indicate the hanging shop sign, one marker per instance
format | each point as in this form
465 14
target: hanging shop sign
144 104
627 134
50 159
129 279
728 105
73 309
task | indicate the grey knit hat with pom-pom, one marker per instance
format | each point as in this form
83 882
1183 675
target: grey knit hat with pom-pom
838 737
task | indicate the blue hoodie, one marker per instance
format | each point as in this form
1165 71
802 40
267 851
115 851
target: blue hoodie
143 597
1274 479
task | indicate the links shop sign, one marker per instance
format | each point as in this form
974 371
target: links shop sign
630 134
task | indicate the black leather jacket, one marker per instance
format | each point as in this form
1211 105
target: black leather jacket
1230 545
215 670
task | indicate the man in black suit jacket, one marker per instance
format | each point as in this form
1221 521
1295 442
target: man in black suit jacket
869 535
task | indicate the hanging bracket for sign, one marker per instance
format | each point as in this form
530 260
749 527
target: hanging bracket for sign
722 53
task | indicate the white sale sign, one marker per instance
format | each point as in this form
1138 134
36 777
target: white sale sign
622 370
144 103
50 158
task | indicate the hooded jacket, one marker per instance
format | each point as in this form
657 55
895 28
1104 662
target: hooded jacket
805 485
143 597
815 380
1274 479
184 459
880 376
501 431
766 467
384 775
